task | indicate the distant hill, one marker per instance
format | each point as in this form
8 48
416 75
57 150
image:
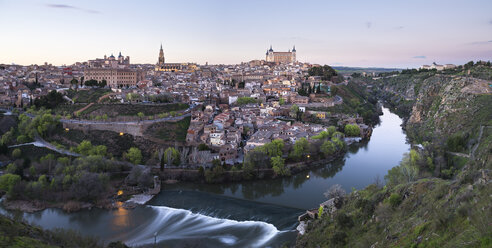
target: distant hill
350 70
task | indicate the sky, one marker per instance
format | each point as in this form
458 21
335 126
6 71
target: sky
392 33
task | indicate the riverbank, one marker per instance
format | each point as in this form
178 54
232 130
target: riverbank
174 175
71 206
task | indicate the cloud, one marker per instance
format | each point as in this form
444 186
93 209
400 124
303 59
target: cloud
476 43
490 22
399 27
64 6
419 57
368 24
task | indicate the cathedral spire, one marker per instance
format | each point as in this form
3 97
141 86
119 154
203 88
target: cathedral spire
161 60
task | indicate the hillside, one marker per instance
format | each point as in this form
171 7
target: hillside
440 194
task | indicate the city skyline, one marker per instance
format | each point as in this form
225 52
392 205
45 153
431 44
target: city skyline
380 34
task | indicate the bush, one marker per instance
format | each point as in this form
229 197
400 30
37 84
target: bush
8 181
134 155
278 164
339 238
352 130
328 148
344 220
395 199
456 143
16 153
214 175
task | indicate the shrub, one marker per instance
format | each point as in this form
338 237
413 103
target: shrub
16 153
278 164
328 148
134 155
352 130
339 238
395 199
344 220
8 181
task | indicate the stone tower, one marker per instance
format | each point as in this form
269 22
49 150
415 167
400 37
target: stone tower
294 54
161 57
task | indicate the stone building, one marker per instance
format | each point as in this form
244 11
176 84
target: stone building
115 77
281 57
116 71
172 67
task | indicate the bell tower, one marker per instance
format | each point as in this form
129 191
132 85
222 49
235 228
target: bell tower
161 60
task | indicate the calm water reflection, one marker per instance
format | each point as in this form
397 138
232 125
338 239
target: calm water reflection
359 168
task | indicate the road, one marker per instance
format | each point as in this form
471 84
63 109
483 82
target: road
40 142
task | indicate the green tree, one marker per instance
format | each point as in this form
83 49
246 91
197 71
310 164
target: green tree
294 110
300 148
352 130
407 171
140 115
273 148
22 139
8 181
255 159
100 150
84 147
74 83
215 174
281 101
278 165
321 135
16 153
171 156
49 101
134 155
338 143
328 148
245 100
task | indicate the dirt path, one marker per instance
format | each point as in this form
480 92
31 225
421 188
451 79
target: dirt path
82 109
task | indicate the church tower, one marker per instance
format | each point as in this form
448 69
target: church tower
294 59
161 57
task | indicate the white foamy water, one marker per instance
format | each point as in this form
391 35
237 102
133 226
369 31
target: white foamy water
179 224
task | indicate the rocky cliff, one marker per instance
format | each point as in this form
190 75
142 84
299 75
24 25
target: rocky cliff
439 196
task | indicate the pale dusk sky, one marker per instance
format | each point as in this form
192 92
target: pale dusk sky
349 33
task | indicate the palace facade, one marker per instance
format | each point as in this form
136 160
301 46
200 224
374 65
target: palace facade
281 57
116 71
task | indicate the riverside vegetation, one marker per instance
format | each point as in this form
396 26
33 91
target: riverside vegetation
440 194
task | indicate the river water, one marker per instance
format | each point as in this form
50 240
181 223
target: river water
249 214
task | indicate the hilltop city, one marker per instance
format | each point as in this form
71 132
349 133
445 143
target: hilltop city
242 106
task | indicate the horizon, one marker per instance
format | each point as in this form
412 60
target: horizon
356 34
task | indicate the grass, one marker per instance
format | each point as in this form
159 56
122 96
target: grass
427 217
115 143
113 110
87 96
67 109
170 131
15 233
33 153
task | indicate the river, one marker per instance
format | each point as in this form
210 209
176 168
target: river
249 214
